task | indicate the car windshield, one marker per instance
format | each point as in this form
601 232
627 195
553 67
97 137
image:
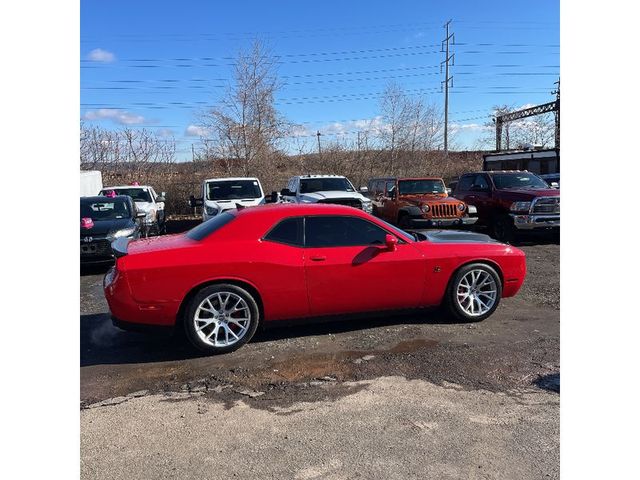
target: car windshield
108 210
518 180
412 187
233 190
336 184
137 194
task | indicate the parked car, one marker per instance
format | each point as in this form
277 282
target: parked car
418 202
102 220
147 201
333 189
253 266
553 179
222 194
510 201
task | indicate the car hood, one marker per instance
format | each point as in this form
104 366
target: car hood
316 196
524 194
144 206
105 227
223 205
456 236
429 198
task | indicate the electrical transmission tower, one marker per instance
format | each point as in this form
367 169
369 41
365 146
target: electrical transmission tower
448 80
557 94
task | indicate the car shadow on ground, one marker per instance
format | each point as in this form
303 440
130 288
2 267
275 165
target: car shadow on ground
102 343
549 382
95 269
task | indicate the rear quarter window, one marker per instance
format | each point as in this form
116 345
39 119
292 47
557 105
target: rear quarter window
212 225
288 231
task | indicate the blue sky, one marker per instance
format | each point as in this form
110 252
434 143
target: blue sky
158 64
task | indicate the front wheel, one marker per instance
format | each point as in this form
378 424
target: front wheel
221 318
473 293
503 229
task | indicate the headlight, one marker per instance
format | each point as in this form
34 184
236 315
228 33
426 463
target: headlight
211 210
425 208
461 207
127 232
150 217
367 207
520 206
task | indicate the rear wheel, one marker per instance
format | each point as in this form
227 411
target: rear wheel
473 293
221 318
502 228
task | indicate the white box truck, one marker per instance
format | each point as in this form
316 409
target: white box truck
90 182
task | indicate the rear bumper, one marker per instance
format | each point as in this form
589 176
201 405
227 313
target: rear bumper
443 222
129 312
141 327
533 222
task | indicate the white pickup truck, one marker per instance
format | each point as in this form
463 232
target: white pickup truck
147 201
221 194
324 189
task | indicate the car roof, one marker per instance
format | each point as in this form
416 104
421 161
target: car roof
319 176
290 209
126 186
102 198
228 179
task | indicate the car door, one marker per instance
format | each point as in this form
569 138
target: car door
349 269
480 195
285 294
388 209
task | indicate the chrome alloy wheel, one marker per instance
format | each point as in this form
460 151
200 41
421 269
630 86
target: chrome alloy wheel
476 292
222 319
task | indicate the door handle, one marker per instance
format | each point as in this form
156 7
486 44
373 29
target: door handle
317 258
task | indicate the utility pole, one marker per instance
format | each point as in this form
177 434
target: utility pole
557 94
447 79
193 153
319 151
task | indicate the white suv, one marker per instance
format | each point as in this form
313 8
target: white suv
221 194
324 189
147 201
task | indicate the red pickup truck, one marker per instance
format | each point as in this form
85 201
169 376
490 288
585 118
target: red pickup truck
511 201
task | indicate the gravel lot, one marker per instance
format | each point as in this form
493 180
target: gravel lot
410 396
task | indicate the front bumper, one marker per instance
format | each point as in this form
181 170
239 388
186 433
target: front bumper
533 222
443 222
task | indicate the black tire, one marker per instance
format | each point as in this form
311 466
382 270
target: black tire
502 228
189 322
404 221
451 301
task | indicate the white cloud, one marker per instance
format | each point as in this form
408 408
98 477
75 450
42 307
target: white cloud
165 133
100 55
473 127
195 131
121 117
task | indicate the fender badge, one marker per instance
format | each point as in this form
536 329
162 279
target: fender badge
437 269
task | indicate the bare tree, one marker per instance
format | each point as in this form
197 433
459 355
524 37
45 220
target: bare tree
139 150
410 128
243 129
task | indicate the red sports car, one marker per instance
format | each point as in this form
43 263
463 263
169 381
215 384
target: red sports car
226 276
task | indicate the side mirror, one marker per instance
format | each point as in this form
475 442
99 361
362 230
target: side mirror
159 199
391 242
555 185
163 194
195 202
288 193
449 191
364 189
392 193
141 215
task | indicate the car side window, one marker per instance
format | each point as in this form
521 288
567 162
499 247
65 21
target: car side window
464 184
287 231
391 185
339 231
481 182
